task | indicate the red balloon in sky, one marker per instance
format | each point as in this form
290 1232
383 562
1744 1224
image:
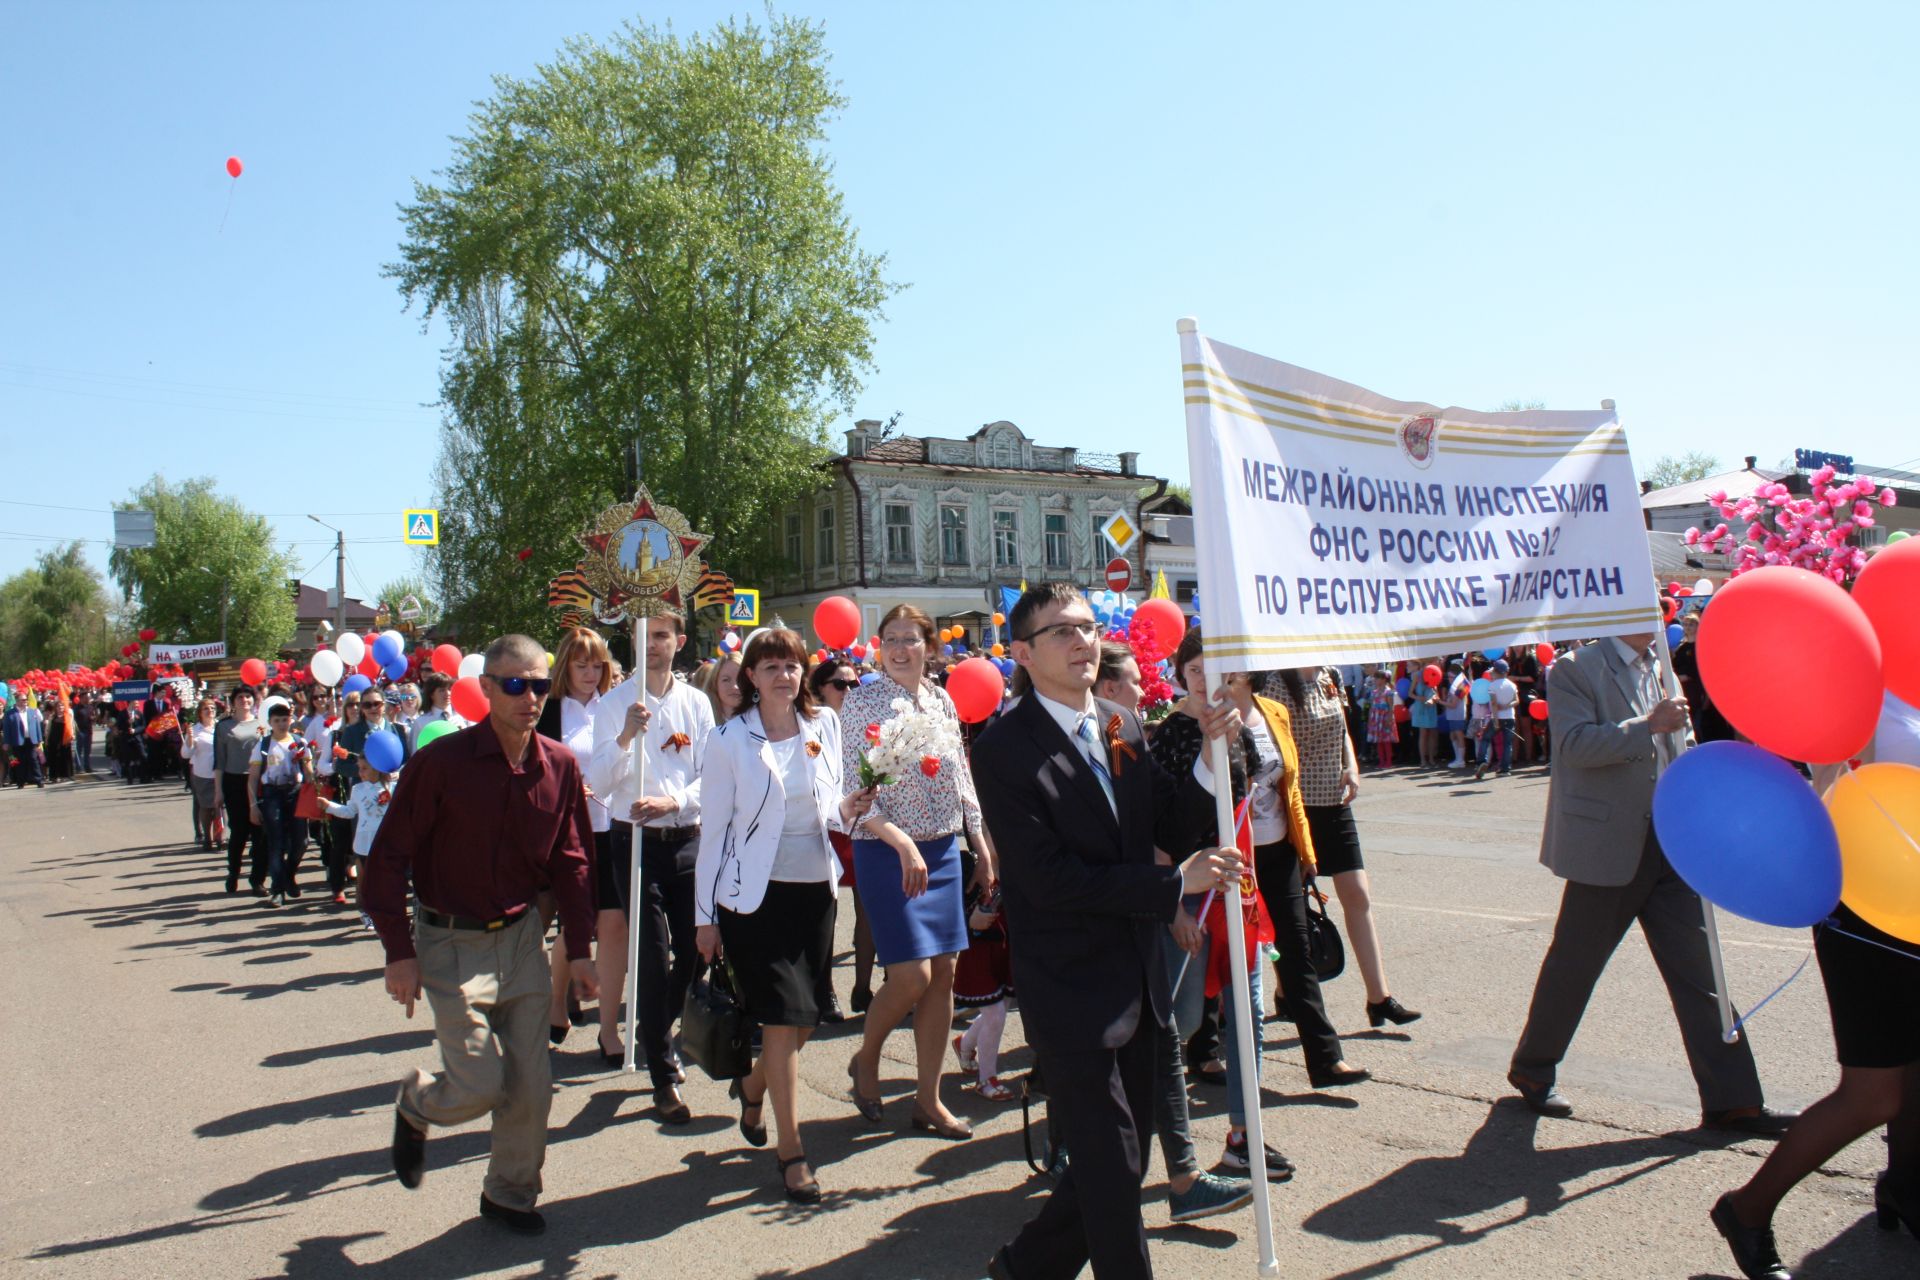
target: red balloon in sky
234 166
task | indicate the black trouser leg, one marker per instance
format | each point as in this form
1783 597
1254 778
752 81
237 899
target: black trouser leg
1278 868
233 792
669 960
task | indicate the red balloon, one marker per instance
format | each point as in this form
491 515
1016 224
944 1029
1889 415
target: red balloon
1168 624
234 166
836 620
1431 676
1767 626
149 634
1885 592
859 651
1401 715
1537 709
253 671
1544 653
446 660
469 699
873 642
976 687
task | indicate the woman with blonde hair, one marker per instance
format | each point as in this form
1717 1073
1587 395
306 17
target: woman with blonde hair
582 671
720 681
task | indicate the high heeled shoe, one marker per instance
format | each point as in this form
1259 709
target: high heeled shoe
869 1108
755 1134
807 1192
1896 1202
1390 1010
951 1130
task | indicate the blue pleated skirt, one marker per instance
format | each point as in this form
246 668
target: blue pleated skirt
933 924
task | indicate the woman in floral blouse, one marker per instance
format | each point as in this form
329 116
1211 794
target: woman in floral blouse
907 871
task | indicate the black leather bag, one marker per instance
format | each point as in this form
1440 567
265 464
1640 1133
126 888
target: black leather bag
714 1028
1325 952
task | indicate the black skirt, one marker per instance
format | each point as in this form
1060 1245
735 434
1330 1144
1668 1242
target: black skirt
613 867
1336 841
1873 993
779 952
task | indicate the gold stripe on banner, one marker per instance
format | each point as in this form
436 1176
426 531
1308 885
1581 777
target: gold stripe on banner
1557 624
1484 431
1461 436
1255 416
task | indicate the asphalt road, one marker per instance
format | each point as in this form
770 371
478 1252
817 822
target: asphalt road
196 1086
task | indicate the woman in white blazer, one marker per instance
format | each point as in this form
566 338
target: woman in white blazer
766 876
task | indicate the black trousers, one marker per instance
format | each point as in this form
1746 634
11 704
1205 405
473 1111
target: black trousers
1278 869
240 828
1100 1104
669 960
336 838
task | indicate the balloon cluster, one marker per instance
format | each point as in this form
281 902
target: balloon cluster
1735 818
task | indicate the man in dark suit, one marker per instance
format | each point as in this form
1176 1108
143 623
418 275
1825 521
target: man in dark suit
23 732
1076 807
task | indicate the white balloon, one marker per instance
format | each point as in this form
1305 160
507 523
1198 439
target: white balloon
397 639
472 665
327 668
1704 587
351 648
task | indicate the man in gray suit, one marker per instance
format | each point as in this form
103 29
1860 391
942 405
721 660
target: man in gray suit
1614 731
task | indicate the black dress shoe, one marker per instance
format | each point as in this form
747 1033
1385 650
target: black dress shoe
833 1013
755 1134
526 1222
558 1035
671 1106
1753 1248
1544 1099
409 1151
1895 1202
1390 1010
1762 1122
1339 1076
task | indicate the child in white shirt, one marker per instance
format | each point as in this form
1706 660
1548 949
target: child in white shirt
365 807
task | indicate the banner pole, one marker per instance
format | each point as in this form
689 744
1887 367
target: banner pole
1243 1024
632 991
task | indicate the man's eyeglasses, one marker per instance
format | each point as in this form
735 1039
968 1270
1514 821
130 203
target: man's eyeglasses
515 686
369 706
1084 630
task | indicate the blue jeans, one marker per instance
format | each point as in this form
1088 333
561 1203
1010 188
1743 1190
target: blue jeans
283 831
1229 1041
1190 993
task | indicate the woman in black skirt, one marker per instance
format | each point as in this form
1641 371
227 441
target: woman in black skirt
766 876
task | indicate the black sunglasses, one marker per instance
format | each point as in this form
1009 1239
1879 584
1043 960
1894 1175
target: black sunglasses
844 685
515 686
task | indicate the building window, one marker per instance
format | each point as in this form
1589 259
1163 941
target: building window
899 521
793 541
1006 540
1056 531
953 535
825 553
1183 589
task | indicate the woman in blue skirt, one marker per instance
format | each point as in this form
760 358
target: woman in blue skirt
906 859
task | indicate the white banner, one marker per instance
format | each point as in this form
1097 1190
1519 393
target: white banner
174 654
1334 525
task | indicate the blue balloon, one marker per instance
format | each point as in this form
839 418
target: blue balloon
870 677
1676 635
1493 655
946 650
383 750
397 669
1480 691
386 647
1402 686
355 683
1744 829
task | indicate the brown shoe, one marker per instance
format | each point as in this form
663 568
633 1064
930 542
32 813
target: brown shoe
671 1106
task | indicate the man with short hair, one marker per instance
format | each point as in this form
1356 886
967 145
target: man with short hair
671 722
1076 805
1503 695
233 739
23 734
481 822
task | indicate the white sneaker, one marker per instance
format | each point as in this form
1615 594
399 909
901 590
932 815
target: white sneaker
1456 764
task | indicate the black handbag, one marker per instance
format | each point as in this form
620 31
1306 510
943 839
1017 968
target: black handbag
1325 952
714 1028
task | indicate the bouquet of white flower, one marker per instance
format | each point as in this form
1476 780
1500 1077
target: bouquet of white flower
913 739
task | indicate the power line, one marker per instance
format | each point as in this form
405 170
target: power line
172 386
272 515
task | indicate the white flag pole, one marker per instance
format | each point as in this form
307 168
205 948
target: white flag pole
1244 1029
632 991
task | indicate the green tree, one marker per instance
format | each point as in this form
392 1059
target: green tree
54 614
208 551
1684 468
1519 406
641 240
415 585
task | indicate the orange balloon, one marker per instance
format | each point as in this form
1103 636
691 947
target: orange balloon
1876 812
999 619
999 651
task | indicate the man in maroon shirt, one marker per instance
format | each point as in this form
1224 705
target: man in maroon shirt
483 820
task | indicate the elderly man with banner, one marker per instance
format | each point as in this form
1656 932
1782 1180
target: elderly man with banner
1334 525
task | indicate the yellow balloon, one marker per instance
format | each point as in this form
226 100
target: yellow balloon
549 660
1876 811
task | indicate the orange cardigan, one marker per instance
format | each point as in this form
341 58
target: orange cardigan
1280 728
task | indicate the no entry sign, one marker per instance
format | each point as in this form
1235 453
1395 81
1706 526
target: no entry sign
1119 574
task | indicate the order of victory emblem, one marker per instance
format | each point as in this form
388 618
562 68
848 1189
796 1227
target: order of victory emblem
642 560
1418 436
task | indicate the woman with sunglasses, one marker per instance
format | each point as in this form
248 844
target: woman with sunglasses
831 682
280 764
907 866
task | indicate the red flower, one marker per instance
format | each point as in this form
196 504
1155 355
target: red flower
384 795
930 765
873 733
813 748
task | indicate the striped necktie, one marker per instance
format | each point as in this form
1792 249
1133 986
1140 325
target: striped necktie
1097 757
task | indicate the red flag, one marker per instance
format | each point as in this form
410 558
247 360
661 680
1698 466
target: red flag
1253 913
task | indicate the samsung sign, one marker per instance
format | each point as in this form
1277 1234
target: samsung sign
1814 459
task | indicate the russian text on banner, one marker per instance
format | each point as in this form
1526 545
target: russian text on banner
1340 526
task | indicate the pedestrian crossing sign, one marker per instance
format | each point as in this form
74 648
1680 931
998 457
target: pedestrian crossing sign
422 528
745 608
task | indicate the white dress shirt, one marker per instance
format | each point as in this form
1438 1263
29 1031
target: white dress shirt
672 771
1069 721
576 733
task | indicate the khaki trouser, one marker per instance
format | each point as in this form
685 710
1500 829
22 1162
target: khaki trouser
489 994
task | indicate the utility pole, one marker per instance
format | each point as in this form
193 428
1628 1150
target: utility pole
339 575
226 597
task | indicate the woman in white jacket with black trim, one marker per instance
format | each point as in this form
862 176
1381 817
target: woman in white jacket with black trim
766 876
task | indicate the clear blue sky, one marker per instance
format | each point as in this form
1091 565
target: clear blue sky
1703 211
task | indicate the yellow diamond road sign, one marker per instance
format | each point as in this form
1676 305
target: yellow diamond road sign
422 528
1120 531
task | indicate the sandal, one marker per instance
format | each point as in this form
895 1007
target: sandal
969 1065
993 1091
869 1108
755 1134
807 1192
